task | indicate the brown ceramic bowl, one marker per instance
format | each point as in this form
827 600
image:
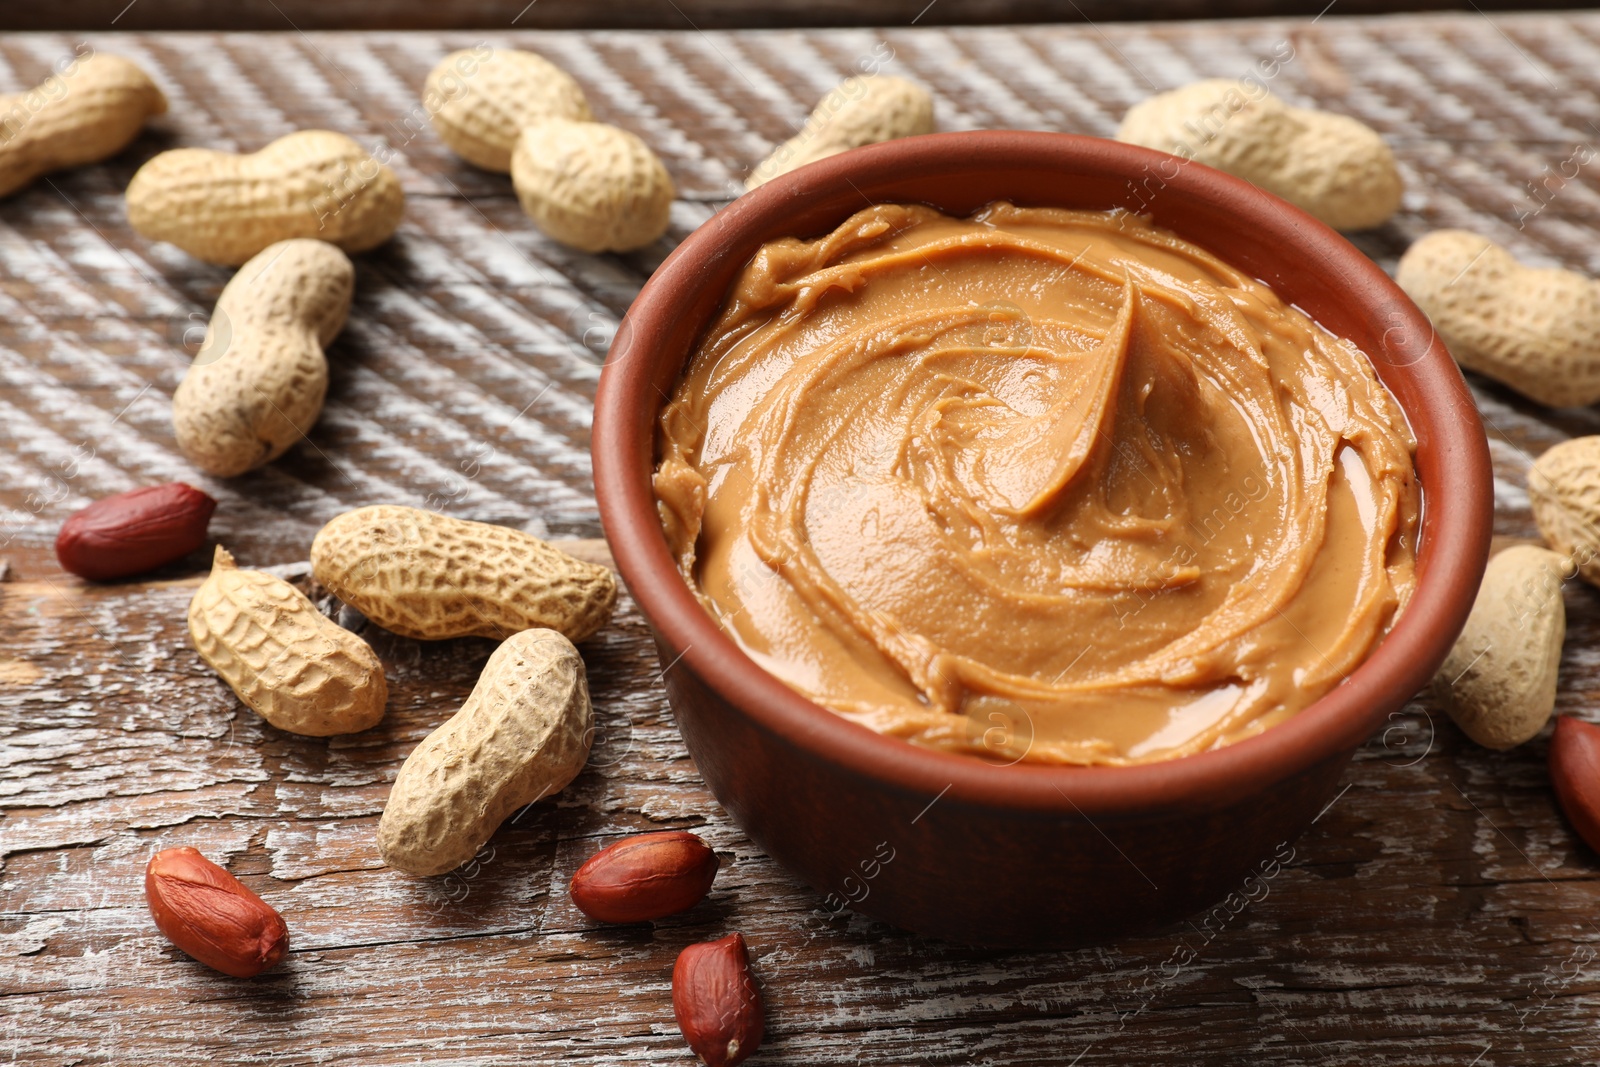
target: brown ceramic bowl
1029 855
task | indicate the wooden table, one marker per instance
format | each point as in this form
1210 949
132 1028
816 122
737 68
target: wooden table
1438 912
663 14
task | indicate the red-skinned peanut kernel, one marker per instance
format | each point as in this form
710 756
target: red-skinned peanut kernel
645 877
133 532
717 1004
211 915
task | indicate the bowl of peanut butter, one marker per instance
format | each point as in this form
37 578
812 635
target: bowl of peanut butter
1032 526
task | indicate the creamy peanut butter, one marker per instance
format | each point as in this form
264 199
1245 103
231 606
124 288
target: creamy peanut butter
1036 485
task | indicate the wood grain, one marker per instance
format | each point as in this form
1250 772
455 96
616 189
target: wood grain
502 15
1438 912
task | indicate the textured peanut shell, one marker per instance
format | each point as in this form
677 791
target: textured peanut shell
860 111
478 104
224 208
1536 330
592 186
292 665
522 735
258 382
88 111
429 576
1330 165
1564 490
1499 681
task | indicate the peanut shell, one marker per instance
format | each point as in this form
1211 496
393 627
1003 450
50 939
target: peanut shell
860 111
289 663
592 186
429 576
85 112
224 207
1499 681
523 734
1332 166
479 99
258 382
1564 491
1536 330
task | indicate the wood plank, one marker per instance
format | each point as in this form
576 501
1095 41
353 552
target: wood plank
664 14
1439 912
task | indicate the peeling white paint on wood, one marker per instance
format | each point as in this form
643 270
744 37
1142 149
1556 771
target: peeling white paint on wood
1440 912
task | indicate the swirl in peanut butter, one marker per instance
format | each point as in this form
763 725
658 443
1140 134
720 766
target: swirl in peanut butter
1036 485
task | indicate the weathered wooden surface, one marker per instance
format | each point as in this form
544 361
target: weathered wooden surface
1438 912
661 14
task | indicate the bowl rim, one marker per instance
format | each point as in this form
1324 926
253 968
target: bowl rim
1454 531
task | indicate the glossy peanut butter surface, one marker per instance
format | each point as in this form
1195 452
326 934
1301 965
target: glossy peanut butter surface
1036 485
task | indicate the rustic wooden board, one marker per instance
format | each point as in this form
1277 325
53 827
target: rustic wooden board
661 14
1438 912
